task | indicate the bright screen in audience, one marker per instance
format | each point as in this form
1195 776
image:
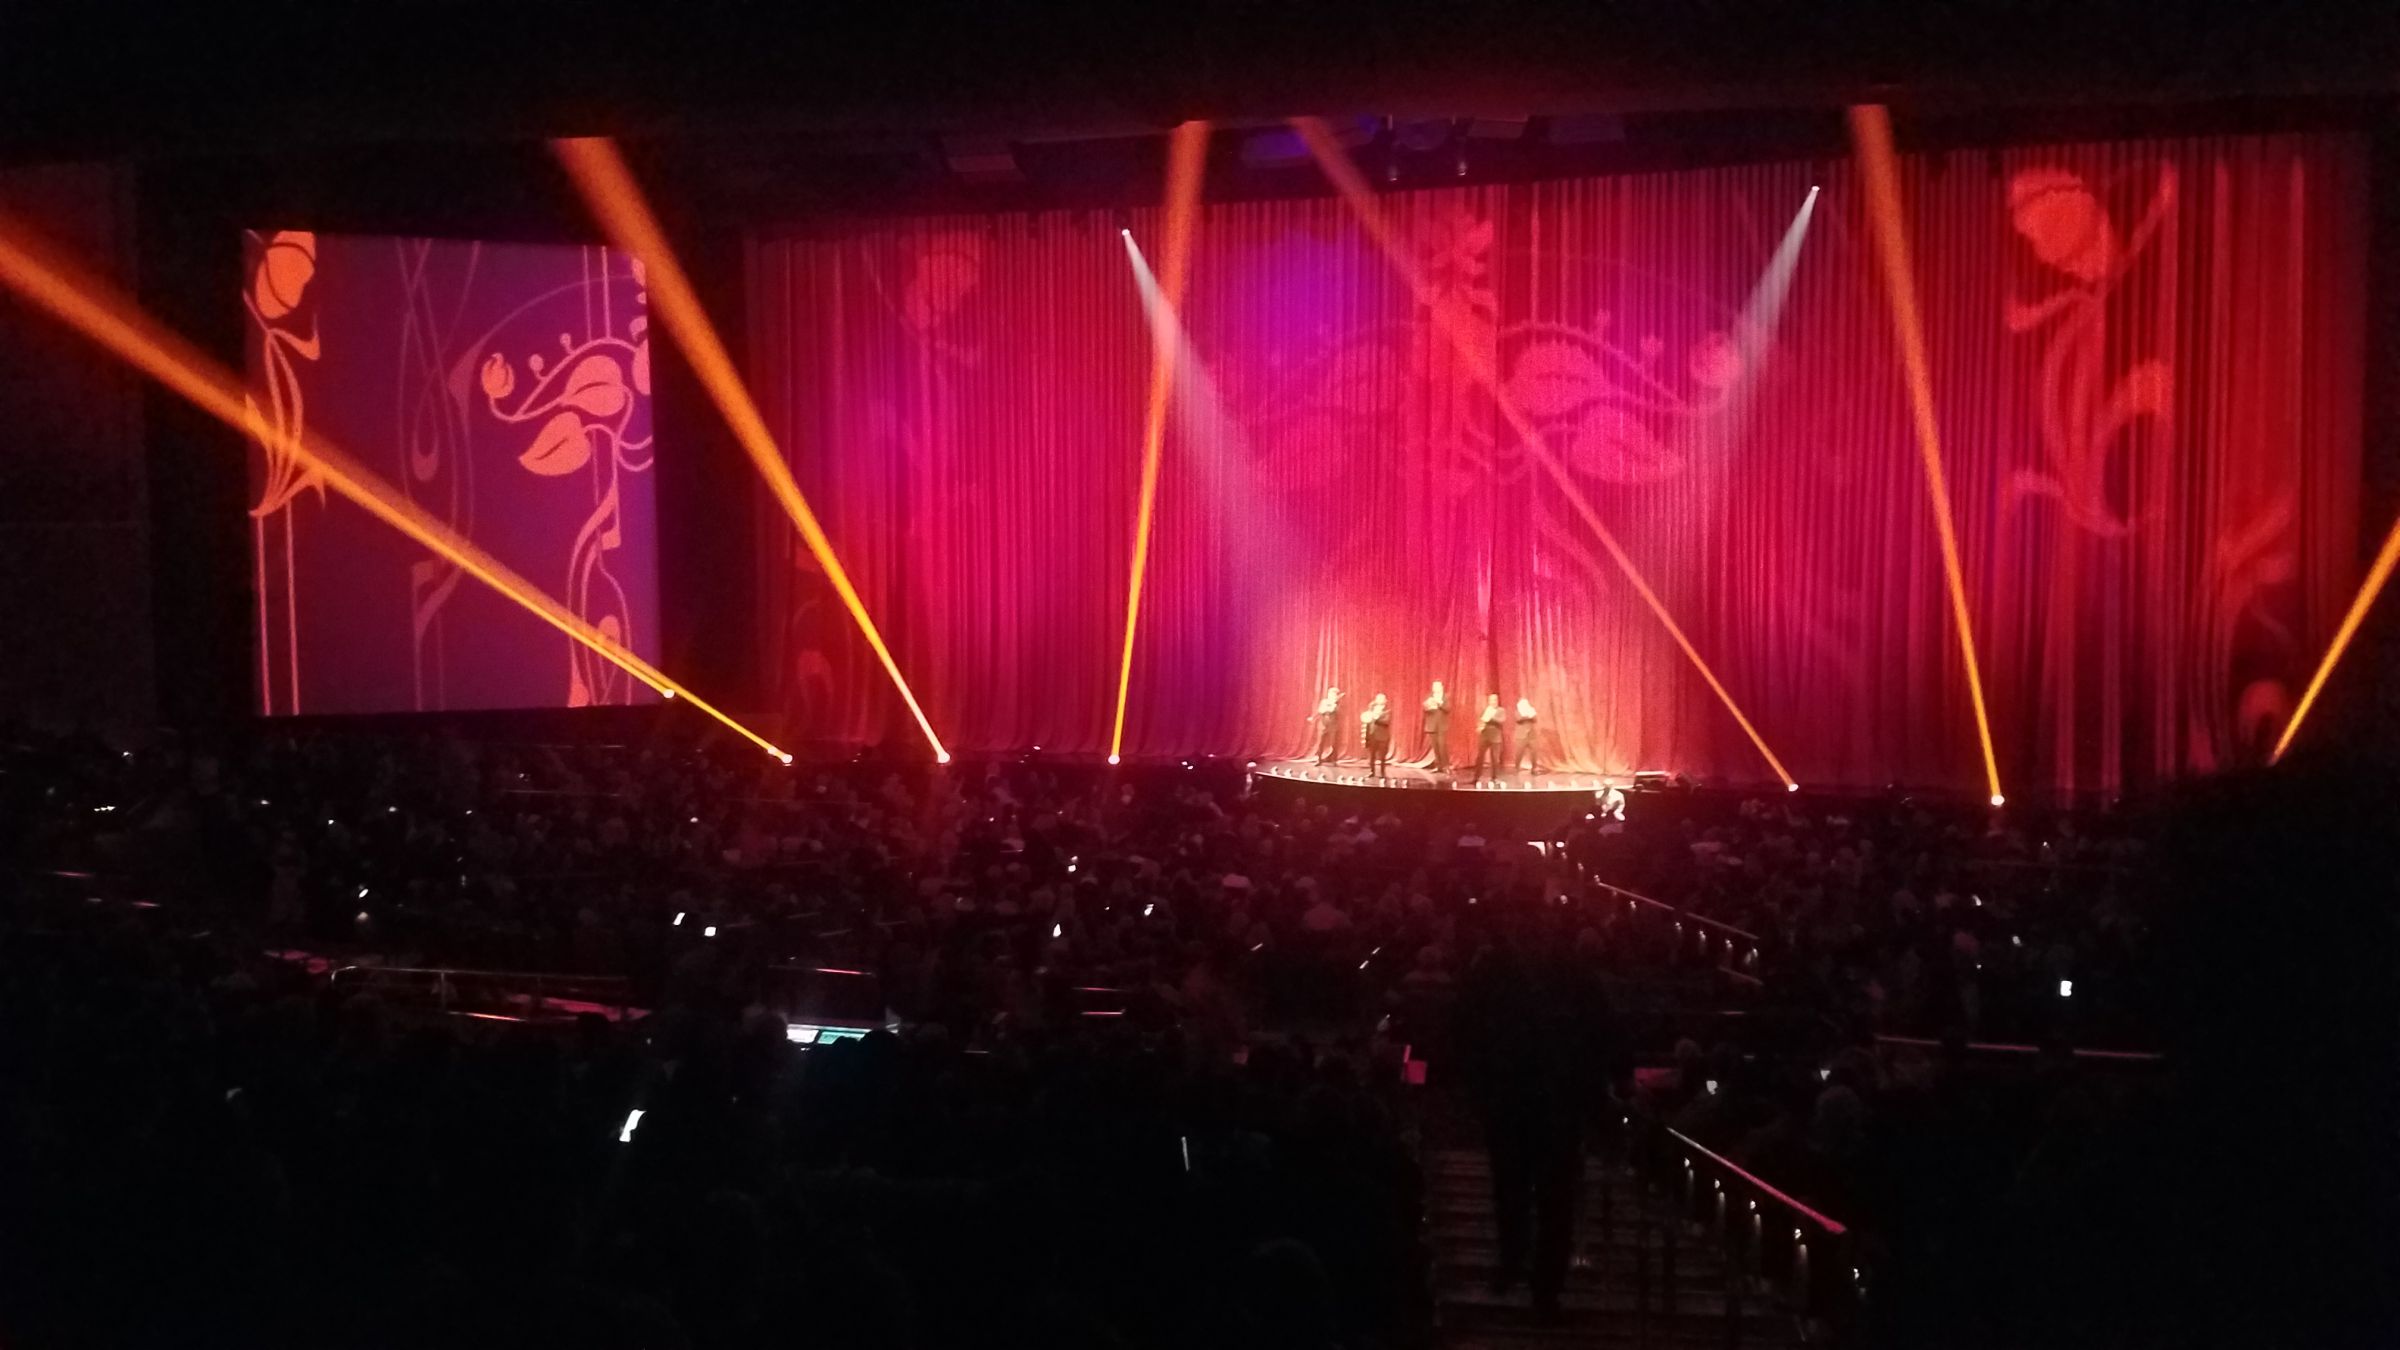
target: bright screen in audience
503 388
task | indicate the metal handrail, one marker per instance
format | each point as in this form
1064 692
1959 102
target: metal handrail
1701 919
1702 924
535 987
2007 1048
482 974
1815 1275
1831 1225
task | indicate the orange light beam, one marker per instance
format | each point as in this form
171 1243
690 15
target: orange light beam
1346 178
93 308
607 186
1871 134
2379 572
1186 156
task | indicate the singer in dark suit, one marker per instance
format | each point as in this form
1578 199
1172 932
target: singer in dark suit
1375 725
1529 754
1488 736
1437 727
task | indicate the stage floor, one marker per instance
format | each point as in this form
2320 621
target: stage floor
1539 804
1352 773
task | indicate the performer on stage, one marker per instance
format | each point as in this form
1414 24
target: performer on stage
1437 727
1375 726
1329 726
1612 802
1488 736
1529 752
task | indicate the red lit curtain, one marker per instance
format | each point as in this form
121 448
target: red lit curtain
2146 361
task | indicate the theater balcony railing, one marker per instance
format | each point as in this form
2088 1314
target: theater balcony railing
1781 1255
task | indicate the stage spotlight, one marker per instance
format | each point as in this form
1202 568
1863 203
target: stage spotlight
2378 573
941 757
784 755
1998 800
607 186
1791 787
668 692
1871 132
1187 161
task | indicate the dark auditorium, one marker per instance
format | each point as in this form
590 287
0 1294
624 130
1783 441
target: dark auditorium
1435 675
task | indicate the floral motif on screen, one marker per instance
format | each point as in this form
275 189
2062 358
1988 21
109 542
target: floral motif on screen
274 298
580 404
1605 401
1614 404
2090 415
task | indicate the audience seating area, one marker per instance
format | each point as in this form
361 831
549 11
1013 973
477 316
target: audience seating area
328 1039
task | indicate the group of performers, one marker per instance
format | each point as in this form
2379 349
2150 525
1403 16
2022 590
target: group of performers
1491 733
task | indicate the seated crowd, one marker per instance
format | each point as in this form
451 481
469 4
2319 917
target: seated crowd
1918 918
1145 1082
269 1158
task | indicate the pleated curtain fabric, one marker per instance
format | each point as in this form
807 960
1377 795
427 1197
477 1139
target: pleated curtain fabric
2146 361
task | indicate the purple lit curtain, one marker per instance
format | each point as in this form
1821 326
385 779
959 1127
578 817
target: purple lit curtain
2146 360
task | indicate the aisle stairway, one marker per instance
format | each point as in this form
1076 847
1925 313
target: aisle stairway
1614 1298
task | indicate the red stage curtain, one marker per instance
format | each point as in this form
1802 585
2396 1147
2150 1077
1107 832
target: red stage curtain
2146 359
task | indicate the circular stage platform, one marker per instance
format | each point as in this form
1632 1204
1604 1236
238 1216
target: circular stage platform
1542 802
